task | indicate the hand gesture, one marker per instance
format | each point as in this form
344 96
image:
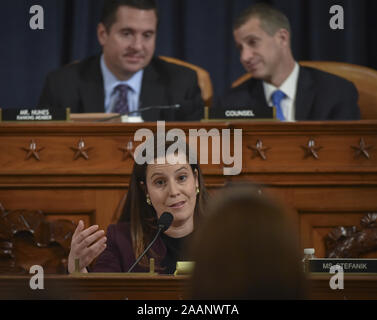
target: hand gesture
86 245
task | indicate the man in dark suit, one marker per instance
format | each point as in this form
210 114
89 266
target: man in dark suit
262 35
126 78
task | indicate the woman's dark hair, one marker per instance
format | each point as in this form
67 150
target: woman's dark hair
143 217
110 9
247 248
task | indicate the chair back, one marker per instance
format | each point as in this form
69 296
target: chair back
204 79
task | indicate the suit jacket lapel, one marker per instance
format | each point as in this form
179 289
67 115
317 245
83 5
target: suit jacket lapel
92 90
258 102
153 92
305 95
257 96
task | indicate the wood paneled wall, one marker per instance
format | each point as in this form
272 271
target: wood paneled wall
325 171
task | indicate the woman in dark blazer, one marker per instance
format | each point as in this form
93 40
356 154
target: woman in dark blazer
154 189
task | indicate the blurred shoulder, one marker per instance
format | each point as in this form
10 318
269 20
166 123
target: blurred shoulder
325 79
241 93
77 68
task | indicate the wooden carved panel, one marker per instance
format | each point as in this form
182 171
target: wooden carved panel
353 242
316 226
27 239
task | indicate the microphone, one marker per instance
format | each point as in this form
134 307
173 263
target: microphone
165 221
167 107
163 224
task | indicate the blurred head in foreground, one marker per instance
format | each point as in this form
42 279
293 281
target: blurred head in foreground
246 249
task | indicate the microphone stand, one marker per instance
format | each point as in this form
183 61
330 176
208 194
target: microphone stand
146 250
163 223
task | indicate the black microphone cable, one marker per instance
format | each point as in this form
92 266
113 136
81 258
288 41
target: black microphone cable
164 223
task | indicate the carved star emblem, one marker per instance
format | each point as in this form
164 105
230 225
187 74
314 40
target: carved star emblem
81 150
128 150
259 150
311 150
33 151
362 149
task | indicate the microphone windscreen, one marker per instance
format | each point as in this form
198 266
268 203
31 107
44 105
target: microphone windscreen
165 221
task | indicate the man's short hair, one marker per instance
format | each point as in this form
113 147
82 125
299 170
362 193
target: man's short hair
110 9
271 18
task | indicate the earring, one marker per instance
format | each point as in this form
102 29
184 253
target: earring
149 200
197 190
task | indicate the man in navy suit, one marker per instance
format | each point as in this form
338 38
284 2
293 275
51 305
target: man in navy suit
262 35
127 77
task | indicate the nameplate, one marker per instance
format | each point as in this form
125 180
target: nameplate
348 265
34 114
240 114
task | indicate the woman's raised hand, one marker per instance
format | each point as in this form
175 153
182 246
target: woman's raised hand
86 245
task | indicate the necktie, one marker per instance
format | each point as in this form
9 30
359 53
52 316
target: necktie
121 104
277 97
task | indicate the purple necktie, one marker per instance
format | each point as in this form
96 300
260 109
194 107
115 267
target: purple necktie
121 104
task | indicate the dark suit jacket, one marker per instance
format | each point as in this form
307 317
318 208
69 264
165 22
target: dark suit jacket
119 256
320 96
79 86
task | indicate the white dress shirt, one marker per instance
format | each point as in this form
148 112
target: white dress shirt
110 82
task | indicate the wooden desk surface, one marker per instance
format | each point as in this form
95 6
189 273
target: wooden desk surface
121 287
356 287
124 287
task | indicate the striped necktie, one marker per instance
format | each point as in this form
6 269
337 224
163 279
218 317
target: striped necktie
121 104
